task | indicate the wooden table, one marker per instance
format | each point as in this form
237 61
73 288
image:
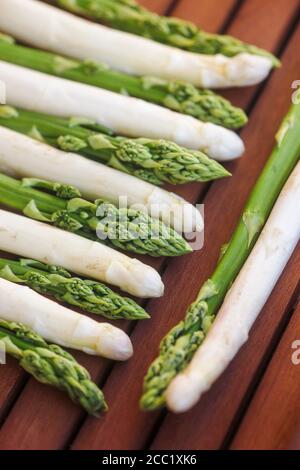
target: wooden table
256 403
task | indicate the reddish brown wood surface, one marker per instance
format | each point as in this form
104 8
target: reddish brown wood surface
276 405
37 417
206 13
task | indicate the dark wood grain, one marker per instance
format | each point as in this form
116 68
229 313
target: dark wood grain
207 14
274 414
42 418
10 384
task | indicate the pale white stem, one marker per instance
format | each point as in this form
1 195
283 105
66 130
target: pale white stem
60 325
244 301
23 156
47 27
31 239
125 115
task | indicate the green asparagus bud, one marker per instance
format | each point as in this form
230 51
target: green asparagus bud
127 229
51 365
128 15
156 161
90 296
180 344
176 95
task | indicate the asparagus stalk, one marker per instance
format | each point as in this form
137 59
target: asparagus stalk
76 254
51 365
23 156
181 343
91 296
44 26
128 15
244 300
36 91
178 96
61 325
155 161
127 229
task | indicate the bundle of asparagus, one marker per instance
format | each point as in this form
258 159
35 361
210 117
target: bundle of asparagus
179 346
128 15
155 161
23 156
77 254
244 301
179 96
91 296
61 325
127 229
36 91
49 28
51 365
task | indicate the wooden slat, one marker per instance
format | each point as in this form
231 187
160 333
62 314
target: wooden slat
126 427
294 443
159 6
274 413
209 14
264 24
10 383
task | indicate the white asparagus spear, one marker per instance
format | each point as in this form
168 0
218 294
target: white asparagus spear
128 116
244 301
47 27
22 156
60 325
32 239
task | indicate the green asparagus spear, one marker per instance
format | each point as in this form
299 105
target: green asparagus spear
51 365
180 344
91 296
127 229
128 15
178 96
155 161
